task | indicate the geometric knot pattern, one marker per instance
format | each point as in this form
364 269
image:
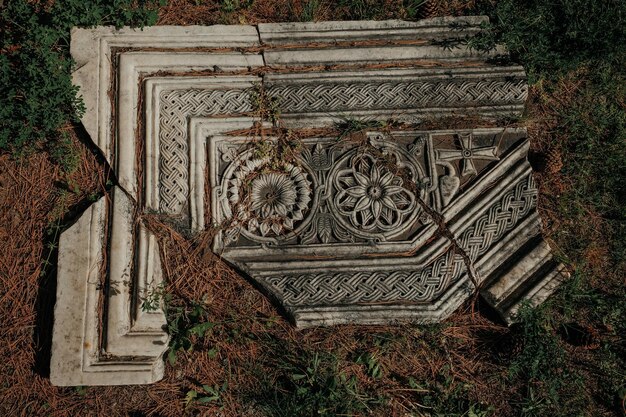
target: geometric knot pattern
176 106
421 286
350 287
326 97
501 217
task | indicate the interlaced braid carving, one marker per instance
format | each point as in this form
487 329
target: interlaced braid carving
501 217
176 106
420 285
329 97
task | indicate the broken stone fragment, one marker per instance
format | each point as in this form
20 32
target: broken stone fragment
403 226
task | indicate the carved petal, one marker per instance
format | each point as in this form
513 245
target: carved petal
401 200
288 196
361 179
366 216
358 191
253 225
394 189
363 203
388 202
362 218
280 209
348 181
376 207
386 179
266 210
374 174
256 204
387 214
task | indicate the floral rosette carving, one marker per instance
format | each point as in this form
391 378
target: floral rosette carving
268 201
373 199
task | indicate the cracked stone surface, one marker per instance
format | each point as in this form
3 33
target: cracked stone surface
380 225
402 224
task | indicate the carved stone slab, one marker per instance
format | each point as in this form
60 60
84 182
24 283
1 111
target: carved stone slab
404 224
389 224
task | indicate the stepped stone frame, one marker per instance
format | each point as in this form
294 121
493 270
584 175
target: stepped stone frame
335 234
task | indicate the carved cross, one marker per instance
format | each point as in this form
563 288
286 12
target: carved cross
468 153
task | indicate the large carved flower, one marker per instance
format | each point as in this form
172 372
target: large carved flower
267 202
273 194
373 198
277 200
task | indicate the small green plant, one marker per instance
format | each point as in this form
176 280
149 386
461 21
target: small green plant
156 298
93 196
81 390
447 397
347 126
52 236
64 153
230 6
413 8
208 394
316 387
264 105
284 150
287 147
183 325
372 364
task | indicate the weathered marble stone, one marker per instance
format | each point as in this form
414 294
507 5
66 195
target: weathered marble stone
385 31
135 340
372 42
396 224
411 95
343 235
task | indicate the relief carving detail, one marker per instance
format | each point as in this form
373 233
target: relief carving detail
333 193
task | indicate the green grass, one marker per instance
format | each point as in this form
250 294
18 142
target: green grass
445 397
309 383
36 92
309 10
575 50
362 9
594 156
541 366
556 36
601 309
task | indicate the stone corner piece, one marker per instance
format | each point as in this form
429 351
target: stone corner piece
129 349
